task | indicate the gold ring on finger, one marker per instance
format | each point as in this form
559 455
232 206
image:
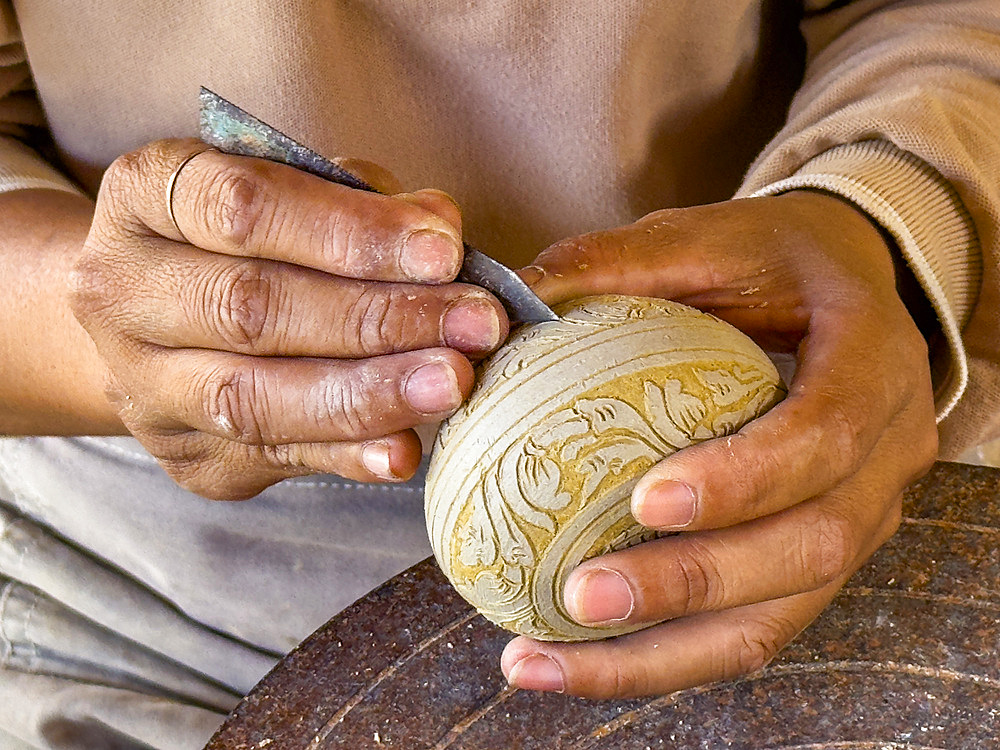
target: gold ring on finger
173 181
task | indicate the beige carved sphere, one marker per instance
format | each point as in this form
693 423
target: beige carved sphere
534 473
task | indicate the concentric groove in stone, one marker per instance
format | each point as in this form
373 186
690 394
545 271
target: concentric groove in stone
906 654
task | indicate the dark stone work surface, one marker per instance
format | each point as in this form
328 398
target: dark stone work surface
907 656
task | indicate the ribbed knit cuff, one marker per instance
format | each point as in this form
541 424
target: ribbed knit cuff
932 228
21 168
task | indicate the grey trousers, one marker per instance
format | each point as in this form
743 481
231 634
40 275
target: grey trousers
134 614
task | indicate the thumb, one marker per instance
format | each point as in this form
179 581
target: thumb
661 255
723 256
615 261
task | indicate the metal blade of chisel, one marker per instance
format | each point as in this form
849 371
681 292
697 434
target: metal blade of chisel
235 131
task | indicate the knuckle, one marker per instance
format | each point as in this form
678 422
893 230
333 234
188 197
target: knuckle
842 433
243 207
207 466
132 187
125 171
136 168
91 286
752 654
374 329
199 465
343 243
214 484
283 457
569 250
124 167
118 185
244 304
235 404
827 549
346 403
356 247
197 478
361 402
440 203
750 472
629 682
701 584
757 645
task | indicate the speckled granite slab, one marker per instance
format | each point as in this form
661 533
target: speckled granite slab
907 656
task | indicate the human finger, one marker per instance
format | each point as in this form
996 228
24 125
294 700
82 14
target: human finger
188 298
677 654
671 253
438 202
276 400
385 182
800 549
380 178
851 384
238 471
255 208
665 658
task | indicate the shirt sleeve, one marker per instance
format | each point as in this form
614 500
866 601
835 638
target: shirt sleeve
899 113
21 120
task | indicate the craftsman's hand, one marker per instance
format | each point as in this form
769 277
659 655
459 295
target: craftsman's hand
286 325
774 519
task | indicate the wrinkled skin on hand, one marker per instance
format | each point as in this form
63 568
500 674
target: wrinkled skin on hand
292 326
774 519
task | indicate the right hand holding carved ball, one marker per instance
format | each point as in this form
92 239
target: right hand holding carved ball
775 518
284 325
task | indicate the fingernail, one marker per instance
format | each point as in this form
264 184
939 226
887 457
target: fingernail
666 505
537 672
531 274
432 388
375 459
602 595
471 324
428 255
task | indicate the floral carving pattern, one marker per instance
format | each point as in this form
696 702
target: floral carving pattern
587 453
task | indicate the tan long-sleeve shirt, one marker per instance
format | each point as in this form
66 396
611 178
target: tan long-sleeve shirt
547 120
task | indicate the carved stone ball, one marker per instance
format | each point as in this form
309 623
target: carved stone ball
534 473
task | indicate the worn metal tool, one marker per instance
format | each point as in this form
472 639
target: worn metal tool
235 131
